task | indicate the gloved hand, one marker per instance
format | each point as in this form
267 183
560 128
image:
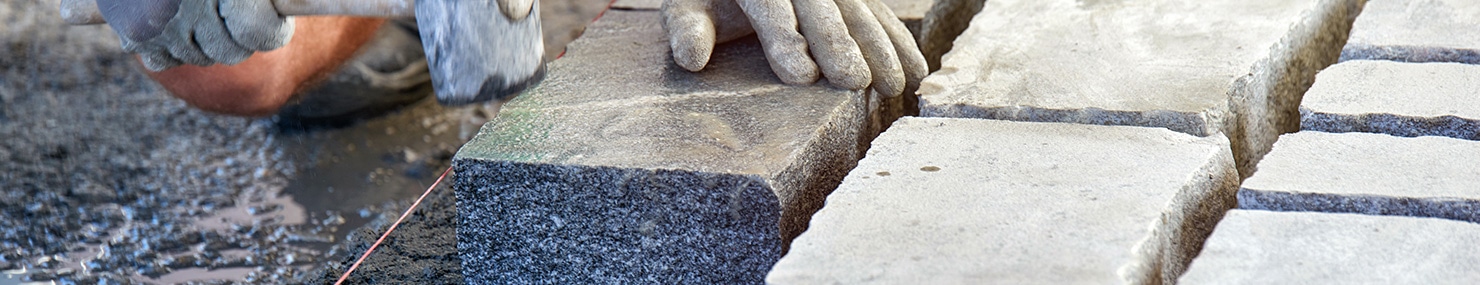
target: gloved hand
168 33
855 42
516 9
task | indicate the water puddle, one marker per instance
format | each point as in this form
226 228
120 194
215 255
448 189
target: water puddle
343 180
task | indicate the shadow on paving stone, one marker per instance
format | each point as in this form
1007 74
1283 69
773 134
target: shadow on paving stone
1416 31
1395 98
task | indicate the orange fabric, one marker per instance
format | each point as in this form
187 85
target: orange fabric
266 81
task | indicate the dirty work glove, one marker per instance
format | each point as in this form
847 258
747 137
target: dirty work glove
855 42
168 33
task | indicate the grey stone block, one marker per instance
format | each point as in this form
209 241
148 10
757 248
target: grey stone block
1396 98
1416 31
624 168
1262 247
1370 174
968 201
1197 67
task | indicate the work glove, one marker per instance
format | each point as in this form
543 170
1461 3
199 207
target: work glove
855 43
168 33
516 9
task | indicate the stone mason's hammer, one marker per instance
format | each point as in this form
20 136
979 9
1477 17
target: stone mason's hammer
475 53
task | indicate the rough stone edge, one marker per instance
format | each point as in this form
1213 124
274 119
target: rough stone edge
800 194
471 169
1391 124
1264 107
1191 123
1404 53
1187 220
1459 209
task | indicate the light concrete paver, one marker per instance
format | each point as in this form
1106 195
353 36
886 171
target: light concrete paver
1370 174
969 201
1396 98
1197 67
1262 247
1416 31
624 168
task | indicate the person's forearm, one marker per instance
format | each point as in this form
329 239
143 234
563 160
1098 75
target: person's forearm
268 80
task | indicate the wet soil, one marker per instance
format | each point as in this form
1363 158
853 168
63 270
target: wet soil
105 177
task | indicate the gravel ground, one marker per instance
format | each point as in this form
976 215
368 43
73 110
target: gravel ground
105 177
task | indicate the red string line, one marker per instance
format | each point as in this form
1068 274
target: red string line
393 227
429 190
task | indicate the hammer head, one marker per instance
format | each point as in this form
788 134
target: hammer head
476 54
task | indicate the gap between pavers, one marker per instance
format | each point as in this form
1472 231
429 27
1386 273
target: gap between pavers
624 168
1395 98
1197 67
1262 247
1373 174
966 201
1416 31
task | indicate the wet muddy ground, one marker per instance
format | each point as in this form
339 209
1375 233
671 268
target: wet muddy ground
103 176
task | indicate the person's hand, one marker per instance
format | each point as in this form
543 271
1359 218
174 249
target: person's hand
168 33
516 9
855 42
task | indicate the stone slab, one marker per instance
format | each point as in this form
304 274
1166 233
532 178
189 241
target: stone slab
911 12
1197 67
624 168
1262 247
1395 98
968 201
1370 174
1416 31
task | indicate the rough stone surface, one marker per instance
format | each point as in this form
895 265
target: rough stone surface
1396 98
1416 31
967 201
624 168
1177 64
1261 247
1370 174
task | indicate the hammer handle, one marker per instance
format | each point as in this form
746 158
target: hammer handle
85 12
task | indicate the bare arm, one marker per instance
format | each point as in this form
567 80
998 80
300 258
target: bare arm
266 81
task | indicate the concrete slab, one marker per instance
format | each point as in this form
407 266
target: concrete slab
1197 67
1396 98
624 168
1370 174
1262 247
1416 31
968 201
